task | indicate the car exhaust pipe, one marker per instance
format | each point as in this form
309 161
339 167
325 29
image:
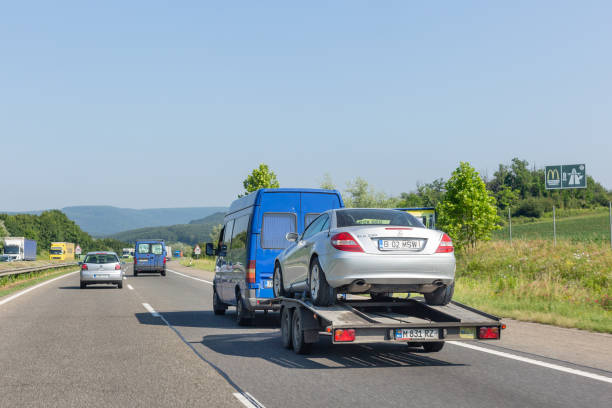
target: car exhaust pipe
438 283
359 286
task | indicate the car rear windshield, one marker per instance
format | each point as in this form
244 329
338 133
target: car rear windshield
101 259
357 217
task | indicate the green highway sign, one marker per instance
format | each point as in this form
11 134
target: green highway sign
565 176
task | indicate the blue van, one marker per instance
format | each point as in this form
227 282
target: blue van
150 256
253 235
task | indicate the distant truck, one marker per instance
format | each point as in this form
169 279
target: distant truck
168 252
61 251
19 249
127 252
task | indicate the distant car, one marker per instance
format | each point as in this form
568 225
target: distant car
376 251
101 267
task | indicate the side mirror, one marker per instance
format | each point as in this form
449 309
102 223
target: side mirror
292 236
222 251
210 250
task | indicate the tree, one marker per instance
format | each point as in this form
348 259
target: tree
327 182
467 213
261 177
361 195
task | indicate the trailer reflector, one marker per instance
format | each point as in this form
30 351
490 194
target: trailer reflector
344 335
488 333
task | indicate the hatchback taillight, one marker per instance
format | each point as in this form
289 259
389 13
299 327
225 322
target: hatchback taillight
117 267
446 245
84 267
345 242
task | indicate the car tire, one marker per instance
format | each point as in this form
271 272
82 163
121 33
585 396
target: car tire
135 273
218 306
163 272
120 285
297 334
243 316
441 296
433 346
286 325
320 292
277 282
83 285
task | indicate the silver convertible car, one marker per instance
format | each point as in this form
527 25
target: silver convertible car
366 250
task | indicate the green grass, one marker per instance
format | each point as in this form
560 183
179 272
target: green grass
204 263
10 284
569 285
576 225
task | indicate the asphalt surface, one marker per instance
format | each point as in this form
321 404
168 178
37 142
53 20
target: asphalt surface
62 346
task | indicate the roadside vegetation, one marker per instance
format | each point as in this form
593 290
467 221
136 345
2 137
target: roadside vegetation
569 285
14 283
204 263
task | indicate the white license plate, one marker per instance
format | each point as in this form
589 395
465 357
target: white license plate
399 244
143 261
268 284
100 276
417 334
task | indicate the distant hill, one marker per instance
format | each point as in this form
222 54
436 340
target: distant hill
196 231
102 220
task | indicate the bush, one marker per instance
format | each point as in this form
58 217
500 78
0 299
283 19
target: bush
529 208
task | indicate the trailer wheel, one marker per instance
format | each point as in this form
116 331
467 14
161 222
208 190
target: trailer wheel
320 292
218 306
433 347
441 296
297 334
286 323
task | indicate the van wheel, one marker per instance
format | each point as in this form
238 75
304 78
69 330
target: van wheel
277 282
286 323
441 296
433 347
135 273
163 272
297 334
218 306
320 292
243 316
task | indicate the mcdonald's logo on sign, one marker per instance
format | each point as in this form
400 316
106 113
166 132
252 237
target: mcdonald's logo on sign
553 177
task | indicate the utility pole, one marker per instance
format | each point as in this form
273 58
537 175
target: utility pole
610 207
510 224
554 228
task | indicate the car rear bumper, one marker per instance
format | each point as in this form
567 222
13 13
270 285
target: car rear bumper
422 273
100 277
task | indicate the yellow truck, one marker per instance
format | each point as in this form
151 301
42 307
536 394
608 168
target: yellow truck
61 251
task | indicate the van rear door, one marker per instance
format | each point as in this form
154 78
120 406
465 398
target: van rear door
313 204
143 257
157 256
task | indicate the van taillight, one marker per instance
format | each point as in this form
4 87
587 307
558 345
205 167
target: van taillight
446 245
164 260
250 276
345 242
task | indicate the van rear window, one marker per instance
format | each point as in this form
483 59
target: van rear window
275 227
143 248
157 249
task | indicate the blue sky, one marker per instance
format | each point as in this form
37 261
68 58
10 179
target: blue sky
170 104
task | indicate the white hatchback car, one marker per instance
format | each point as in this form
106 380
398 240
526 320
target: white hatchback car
366 250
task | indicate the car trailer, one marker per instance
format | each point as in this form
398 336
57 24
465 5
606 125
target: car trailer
364 320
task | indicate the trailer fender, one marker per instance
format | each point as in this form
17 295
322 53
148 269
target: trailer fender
310 324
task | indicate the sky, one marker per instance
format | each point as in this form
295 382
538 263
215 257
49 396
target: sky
148 104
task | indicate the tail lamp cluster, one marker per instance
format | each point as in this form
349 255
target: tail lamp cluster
488 333
344 335
446 245
345 242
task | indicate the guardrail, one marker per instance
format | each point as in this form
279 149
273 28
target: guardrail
19 271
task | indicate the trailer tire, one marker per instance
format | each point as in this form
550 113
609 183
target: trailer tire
277 282
320 292
433 346
218 306
441 296
297 334
286 324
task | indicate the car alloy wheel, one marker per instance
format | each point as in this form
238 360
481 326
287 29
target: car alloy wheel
277 282
315 283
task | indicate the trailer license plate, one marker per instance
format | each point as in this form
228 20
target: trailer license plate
399 244
417 334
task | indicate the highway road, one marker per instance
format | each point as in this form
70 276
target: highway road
157 342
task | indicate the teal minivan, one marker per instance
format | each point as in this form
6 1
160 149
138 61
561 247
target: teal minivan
253 234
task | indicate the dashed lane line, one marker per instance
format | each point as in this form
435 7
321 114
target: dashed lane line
23 292
130 287
190 277
151 310
534 362
248 400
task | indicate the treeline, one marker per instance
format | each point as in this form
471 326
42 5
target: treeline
515 185
54 226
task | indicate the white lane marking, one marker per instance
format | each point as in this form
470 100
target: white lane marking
124 278
150 309
248 400
535 362
191 277
23 292
130 287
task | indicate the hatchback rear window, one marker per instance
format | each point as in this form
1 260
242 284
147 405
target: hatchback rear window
101 259
357 217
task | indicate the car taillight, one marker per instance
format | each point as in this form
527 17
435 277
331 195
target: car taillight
117 267
446 245
250 277
84 267
344 335
345 242
488 333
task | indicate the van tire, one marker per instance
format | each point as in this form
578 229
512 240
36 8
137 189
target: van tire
163 272
277 282
319 290
441 296
297 334
135 272
243 316
286 325
218 306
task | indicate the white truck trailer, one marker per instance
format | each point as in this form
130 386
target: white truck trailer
19 249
